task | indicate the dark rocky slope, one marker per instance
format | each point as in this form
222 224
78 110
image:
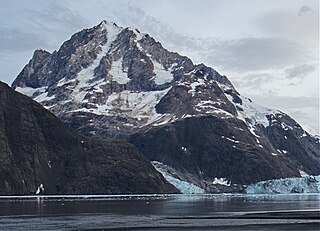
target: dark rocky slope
37 148
198 149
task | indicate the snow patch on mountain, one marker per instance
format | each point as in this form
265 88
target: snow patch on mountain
183 186
162 120
303 173
138 34
304 134
117 73
231 140
97 86
162 75
40 189
140 105
84 76
250 112
194 86
308 184
221 181
255 113
29 91
44 97
136 105
209 107
63 81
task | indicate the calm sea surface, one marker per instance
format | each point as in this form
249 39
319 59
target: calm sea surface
162 212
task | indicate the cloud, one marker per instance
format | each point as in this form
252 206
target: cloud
12 63
299 71
254 81
255 53
45 26
57 17
17 40
289 101
298 24
304 10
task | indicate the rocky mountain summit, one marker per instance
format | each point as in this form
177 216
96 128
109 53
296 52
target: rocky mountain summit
117 83
40 154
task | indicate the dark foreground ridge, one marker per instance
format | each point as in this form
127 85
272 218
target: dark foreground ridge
40 153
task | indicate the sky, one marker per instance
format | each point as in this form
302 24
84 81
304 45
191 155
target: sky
269 49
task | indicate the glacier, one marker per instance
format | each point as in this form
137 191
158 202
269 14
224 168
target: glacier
183 186
308 184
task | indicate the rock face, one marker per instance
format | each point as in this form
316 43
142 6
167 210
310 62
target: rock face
41 154
209 147
116 82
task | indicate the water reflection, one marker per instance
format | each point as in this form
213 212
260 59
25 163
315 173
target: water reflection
156 204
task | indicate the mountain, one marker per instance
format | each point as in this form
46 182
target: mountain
114 82
40 154
258 66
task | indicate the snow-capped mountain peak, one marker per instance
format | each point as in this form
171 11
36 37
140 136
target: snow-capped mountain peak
116 82
114 69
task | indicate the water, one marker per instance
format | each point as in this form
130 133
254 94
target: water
162 212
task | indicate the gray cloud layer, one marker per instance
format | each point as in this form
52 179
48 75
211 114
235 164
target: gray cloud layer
304 10
256 53
299 71
57 18
17 40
